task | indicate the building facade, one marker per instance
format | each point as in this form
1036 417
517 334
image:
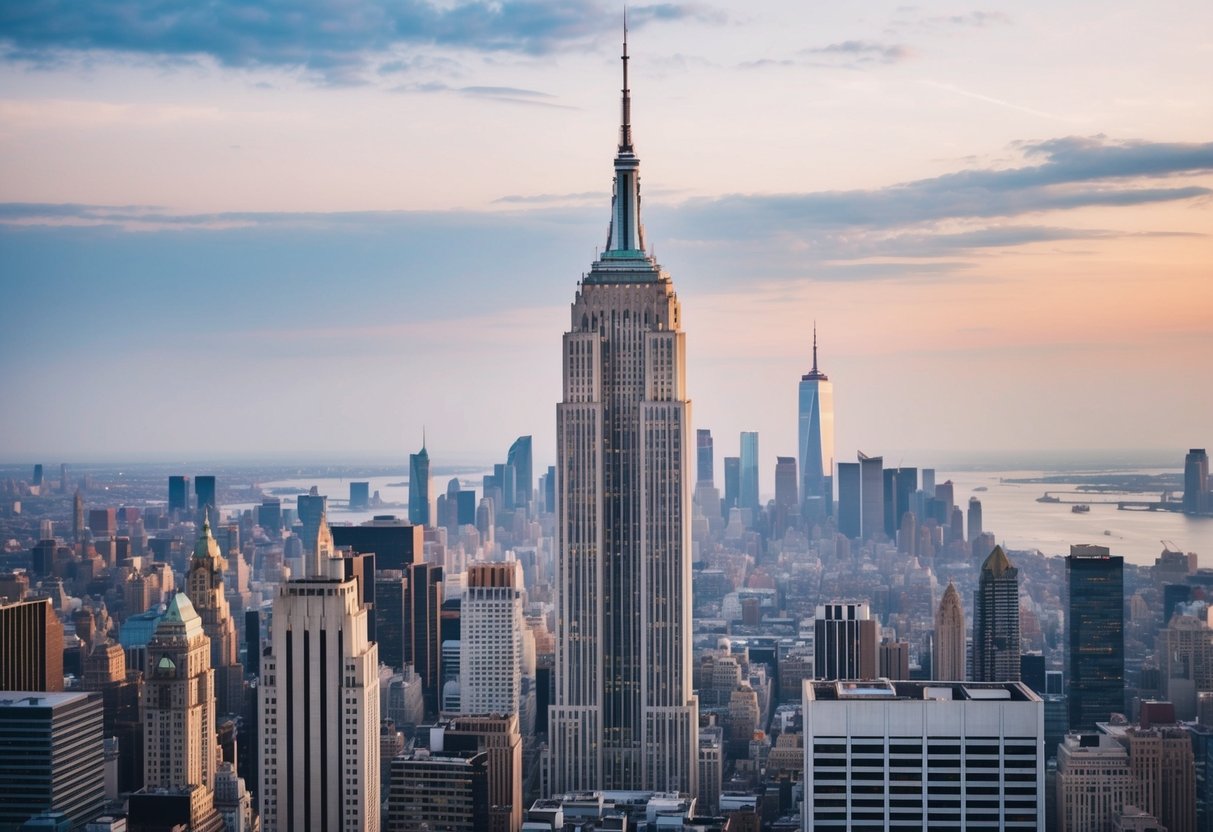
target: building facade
845 641
923 755
948 651
491 625
205 588
31 646
419 487
1095 643
625 714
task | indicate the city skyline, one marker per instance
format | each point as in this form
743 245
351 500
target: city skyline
175 167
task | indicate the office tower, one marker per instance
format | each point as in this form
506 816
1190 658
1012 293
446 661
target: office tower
506 478
705 462
894 659
310 508
465 508
711 769
922 755
1161 760
423 620
871 495
975 527
1196 481
78 517
42 558
625 715
394 543
520 458
31 646
1094 782
996 621
945 494
928 482
419 487
103 522
439 789
948 651
845 641
208 503
204 586
748 495
906 485
816 431
51 756
252 641
849 500
498 737
732 483
1095 646
549 490
391 589
360 496
889 511
490 634
269 516
787 500
318 704
178 495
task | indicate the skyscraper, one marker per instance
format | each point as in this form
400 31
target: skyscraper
1095 648
849 499
948 651
705 462
871 495
732 483
491 625
319 704
816 425
31 646
204 585
520 458
178 494
419 487
625 715
179 716
787 501
208 502
846 641
748 497
1196 481
975 524
996 621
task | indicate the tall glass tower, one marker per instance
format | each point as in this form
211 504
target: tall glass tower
419 487
625 714
1095 649
749 472
816 440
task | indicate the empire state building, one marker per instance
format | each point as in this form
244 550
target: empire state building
625 715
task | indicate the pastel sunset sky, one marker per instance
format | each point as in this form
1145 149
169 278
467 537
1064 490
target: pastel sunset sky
307 229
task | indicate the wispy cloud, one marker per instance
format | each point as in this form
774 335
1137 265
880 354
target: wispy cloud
509 95
862 51
331 38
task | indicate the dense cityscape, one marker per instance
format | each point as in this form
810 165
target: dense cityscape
630 633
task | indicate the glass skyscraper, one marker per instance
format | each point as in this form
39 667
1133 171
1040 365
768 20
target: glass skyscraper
419 487
816 440
1095 650
748 498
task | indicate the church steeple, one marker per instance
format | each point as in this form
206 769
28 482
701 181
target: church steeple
626 236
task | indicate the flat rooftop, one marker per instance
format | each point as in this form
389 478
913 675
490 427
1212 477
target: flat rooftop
885 690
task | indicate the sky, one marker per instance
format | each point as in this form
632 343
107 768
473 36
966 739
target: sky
311 229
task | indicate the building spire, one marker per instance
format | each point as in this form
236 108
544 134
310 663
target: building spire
814 346
814 374
626 236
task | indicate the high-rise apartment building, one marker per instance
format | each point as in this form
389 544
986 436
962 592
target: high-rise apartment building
705 462
318 703
419 487
846 641
816 432
1196 482
208 502
948 650
491 625
31 646
748 495
923 755
1095 645
625 715
205 588
51 756
996 646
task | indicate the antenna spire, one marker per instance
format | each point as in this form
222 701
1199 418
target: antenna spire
625 127
814 346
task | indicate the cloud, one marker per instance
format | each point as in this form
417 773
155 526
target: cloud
863 51
331 38
510 95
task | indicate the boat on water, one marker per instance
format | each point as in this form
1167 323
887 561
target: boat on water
1048 498
1081 508
981 488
